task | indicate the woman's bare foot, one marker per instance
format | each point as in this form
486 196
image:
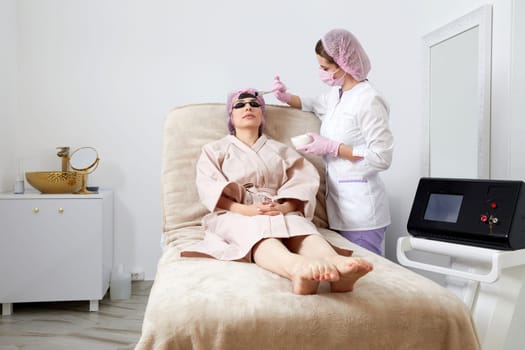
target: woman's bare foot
350 270
307 274
304 286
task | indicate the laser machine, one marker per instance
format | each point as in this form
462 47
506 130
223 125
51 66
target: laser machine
479 225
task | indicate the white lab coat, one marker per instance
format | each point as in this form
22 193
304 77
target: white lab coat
356 198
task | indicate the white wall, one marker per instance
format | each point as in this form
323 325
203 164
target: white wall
517 87
7 93
105 74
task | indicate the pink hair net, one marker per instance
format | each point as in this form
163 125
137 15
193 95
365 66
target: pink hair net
347 52
233 97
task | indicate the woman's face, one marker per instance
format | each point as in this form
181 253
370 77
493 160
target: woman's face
327 66
247 113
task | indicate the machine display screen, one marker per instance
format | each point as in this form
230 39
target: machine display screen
443 207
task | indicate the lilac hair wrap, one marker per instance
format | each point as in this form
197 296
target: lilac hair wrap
234 96
347 52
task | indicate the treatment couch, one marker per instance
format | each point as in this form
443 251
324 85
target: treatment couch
206 304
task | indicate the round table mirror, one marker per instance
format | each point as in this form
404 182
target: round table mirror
84 160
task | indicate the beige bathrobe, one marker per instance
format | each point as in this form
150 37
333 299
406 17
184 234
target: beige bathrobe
249 175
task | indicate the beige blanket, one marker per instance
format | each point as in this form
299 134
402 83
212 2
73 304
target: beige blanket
207 304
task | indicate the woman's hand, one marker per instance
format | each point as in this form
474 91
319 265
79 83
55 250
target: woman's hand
284 206
271 208
279 90
320 146
265 208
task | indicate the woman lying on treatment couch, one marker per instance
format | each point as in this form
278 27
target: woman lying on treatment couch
261 198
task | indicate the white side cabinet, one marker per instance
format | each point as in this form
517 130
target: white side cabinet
55 247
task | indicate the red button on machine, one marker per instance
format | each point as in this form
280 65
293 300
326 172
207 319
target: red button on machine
484 218
493 205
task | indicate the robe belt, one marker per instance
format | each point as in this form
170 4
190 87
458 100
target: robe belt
261 192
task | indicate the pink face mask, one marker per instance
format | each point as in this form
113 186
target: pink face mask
328 77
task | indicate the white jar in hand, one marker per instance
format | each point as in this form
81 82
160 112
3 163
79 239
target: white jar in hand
301 140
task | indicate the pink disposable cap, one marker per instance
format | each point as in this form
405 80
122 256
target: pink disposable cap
234 96
347 52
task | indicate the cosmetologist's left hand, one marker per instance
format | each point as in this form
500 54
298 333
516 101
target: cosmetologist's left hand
320 146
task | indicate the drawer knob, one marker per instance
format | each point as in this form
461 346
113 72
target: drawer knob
60 210
36 210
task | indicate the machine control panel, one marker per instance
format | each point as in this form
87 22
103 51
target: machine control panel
486 213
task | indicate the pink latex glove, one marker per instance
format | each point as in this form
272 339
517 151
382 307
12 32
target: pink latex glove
279 90
320 146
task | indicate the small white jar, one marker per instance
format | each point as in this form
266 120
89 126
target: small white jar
301 140
19 186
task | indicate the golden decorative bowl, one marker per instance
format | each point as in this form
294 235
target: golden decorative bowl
55 181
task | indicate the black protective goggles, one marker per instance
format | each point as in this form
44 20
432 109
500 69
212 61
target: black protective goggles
253 104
